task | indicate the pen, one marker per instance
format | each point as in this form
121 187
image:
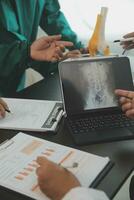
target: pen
131 39
7 110
74 165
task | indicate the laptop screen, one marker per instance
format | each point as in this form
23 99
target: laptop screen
89 84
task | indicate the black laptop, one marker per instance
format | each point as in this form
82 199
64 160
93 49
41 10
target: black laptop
93 113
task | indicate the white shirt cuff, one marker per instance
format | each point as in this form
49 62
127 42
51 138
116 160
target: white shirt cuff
81 193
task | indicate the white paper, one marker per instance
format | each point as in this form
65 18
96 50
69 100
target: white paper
18 163
27 114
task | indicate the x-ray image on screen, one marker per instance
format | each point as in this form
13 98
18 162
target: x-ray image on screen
99 85
89 85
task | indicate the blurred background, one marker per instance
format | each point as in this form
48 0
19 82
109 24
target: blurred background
82 14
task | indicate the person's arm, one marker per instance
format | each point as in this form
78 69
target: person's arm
60 184
15 54
53 21
14 49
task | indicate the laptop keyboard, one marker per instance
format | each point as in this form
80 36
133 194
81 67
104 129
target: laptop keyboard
84 125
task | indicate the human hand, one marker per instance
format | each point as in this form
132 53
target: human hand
128 44
3 108
72 54
127 102
84 50
54 180
49 48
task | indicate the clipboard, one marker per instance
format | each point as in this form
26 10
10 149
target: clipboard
32 115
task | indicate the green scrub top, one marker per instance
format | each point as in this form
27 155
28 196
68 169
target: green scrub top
19 22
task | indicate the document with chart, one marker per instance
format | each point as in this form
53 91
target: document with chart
18 163
32 115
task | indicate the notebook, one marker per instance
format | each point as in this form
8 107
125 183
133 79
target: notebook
92 111
32 115
18 163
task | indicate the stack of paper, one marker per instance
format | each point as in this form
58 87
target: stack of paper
18 163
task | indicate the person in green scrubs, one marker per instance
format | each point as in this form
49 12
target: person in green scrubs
19 22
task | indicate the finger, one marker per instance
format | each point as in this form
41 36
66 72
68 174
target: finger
72 55
84 50
56 50
129 46
124 93
125 42
4 104
128 35
42 160
75 52
57 40
42 174
53 38
59 51
56 58
46 41
62 48
126 107
57 54
2 111
132 102
64 43
124 100
126 45
38 171
130 113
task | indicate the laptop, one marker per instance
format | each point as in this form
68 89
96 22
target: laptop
92 111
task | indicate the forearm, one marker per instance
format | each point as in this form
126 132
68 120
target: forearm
81 193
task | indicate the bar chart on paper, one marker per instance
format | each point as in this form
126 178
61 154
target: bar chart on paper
18 163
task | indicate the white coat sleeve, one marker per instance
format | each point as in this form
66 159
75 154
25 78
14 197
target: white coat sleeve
81 193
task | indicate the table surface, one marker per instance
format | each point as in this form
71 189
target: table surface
120 152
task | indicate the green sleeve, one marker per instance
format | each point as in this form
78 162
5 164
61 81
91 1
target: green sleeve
13 50
53 22
13 60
